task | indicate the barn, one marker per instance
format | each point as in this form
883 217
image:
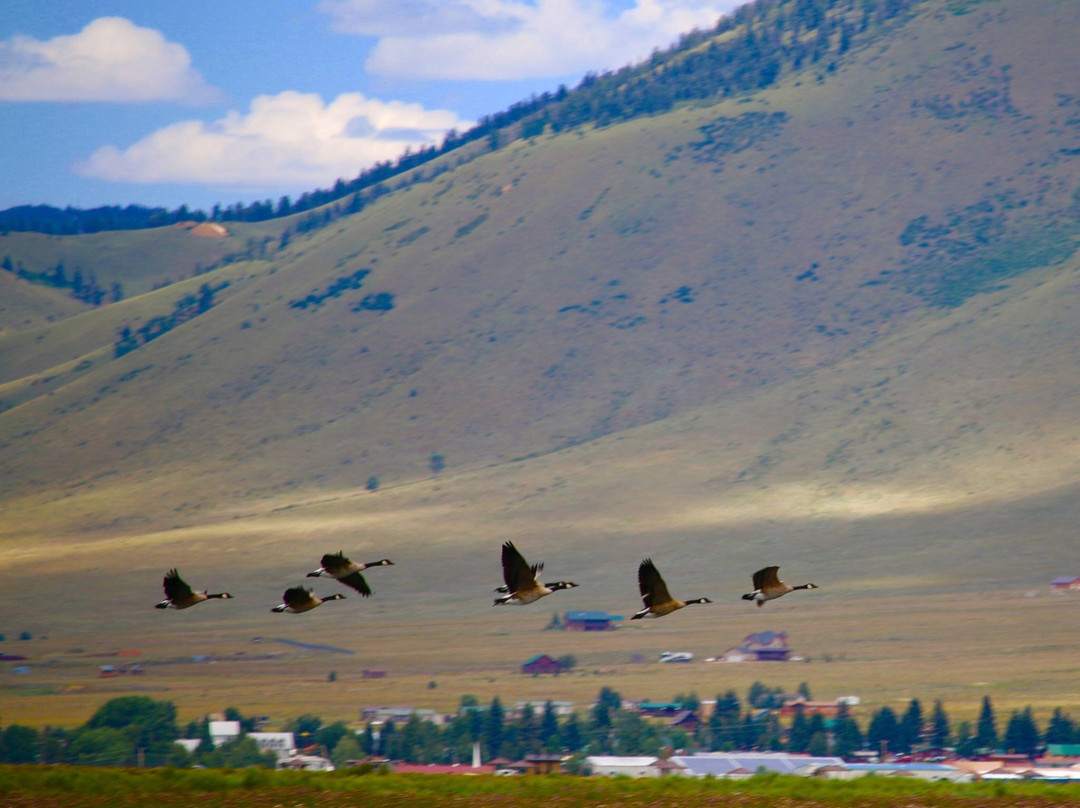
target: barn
541 663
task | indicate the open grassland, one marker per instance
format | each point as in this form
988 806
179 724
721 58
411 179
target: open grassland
1016 648
571 286
65 787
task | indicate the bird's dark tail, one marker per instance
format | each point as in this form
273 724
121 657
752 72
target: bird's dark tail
749 596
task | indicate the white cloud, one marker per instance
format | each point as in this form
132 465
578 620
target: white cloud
289 140
111 59
515 39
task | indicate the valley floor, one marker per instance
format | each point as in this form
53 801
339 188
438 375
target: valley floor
1016 646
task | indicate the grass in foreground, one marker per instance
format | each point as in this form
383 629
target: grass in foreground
73 787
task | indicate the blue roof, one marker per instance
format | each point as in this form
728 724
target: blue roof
898 767
719 764
535 657
581 614
1065 579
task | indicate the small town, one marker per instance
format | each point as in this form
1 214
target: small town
795 735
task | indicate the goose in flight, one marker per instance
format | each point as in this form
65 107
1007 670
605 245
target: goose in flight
178 595
768 586
522 585
654 593
337 566
299 599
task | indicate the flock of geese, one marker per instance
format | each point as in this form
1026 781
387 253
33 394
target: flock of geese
522 586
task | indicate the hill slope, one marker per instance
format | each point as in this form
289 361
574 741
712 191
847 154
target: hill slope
849 296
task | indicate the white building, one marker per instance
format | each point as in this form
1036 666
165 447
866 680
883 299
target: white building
282 744
308 763
629 766
561 708
921 771
224 731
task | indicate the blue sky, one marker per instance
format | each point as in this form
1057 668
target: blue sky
155 103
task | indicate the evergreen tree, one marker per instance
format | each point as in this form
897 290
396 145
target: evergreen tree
883 734
570 734
367 742
549 728
1060 729
986 736
911 727
387 739
528 730
1022 733
939 722
849 737
493 728
965 740
633 735
600 720
723 726
799 734
804 691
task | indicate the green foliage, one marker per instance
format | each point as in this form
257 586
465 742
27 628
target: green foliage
148 725
911 726
968 250
939 721
186 308
466 229
725 136
19 744
884 730
333 290
986 736
101 747
379 301
1021 733
346 749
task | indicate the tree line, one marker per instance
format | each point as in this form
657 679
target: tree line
137 730
84 287
186 308
751 49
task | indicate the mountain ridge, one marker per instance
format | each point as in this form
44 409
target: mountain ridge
859 284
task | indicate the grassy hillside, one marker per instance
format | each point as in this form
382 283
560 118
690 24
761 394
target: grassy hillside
832 324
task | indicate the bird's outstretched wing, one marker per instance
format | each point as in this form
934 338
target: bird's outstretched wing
176 589
334 562
766 577
652 586
356 581
516 570
296 596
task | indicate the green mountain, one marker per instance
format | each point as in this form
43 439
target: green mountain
833 317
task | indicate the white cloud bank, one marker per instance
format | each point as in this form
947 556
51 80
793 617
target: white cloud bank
111 59
515 39
289 140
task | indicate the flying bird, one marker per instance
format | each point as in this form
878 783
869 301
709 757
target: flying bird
337 566
522 585
768 586
655 595
299 599
178 595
